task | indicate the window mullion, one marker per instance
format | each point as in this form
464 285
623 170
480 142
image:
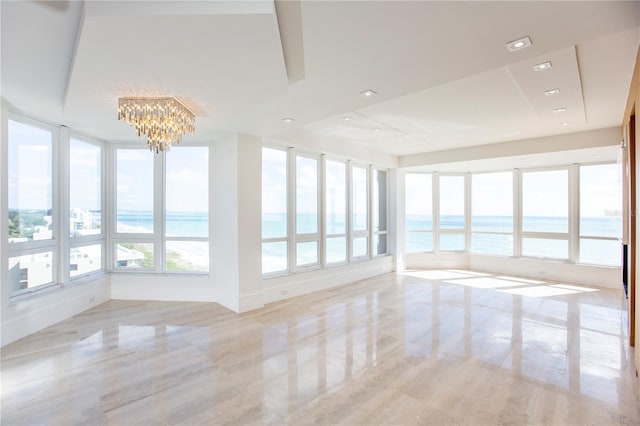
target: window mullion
574 213
159 204
61 194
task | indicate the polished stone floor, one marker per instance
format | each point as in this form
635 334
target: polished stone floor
425 347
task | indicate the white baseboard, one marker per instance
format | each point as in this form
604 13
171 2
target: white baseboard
285 287
30 315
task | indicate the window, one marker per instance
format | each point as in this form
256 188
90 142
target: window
418 212
32 214
545 214
492 213
187 209
85 208
307 212
600 214
134 209
360 209
336 211
452 216
172 239
274 211
379 211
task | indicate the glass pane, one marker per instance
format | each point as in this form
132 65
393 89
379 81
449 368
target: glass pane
30 185
545 201
601 201
307 253
187 256
418 242
336 250
134 255
85 188
306 195
492 244
360 246
134 190
85 259
451 202
492 202
274 193
418 202
31 270
379 200
545 248
274 257
359 199
336 193
187 193
451 242
381 244
600 252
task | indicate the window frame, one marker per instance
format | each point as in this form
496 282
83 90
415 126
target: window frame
571 215
156 238
432 230
289 228
514 201
53 245
437 222
88 240
579 237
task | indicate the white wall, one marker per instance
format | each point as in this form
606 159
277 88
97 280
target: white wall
167 287
287 286
237 265
595 276
28 315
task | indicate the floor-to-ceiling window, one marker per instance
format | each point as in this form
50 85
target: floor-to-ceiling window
600 214
319 211
545 214
336 211
86 200
162 209
418 212
492 213
451 213
274 211
33 214
570 214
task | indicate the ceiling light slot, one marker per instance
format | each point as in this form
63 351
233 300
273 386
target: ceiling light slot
519 44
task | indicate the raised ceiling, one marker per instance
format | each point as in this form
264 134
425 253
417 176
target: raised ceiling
441 70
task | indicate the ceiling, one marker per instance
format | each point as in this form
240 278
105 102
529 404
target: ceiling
443 75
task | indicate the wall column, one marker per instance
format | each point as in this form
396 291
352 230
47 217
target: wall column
237 268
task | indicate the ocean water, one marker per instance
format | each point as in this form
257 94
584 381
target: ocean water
591 251
177 224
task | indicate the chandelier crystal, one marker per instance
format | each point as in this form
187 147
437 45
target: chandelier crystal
162 120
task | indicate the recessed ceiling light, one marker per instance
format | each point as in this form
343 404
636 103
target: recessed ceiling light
368 93
288 120
565 123
376 129
551 92
595 155
518 44
542 66
559 110
346 118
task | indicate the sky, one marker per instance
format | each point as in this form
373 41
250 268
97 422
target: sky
187 182
30 174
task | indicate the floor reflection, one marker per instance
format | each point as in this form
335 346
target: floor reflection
446 345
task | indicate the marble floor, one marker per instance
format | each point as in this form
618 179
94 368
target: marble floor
426 347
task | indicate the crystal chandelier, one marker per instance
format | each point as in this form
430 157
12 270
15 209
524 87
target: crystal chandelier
163 120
